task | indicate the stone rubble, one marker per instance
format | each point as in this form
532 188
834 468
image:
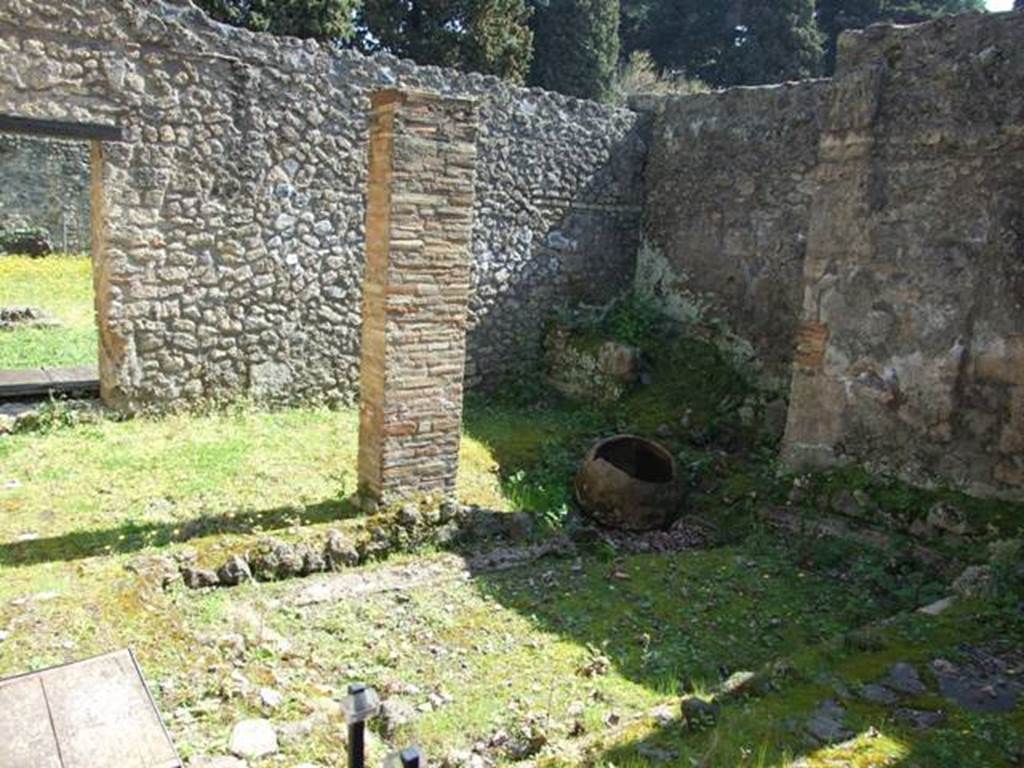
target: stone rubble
253 739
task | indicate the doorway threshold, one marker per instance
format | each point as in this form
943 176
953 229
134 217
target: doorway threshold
35 382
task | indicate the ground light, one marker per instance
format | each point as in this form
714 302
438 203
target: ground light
410 757
360 705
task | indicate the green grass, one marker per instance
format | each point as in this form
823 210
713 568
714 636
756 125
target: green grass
116 486
79 502
61 286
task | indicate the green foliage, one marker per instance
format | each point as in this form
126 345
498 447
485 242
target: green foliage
640 76
1007 561
685 37
53 415
724 42
489 36
694 389
541 492
319 19
537 443
576 47
634 320
835 16
776 40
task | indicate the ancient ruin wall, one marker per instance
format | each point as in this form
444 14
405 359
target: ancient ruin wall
911 349
727 193
44 185
233 246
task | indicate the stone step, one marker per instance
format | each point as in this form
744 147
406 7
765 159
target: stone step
33 382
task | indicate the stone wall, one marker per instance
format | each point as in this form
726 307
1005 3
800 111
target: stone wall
911 349
44 184
728 189
230 257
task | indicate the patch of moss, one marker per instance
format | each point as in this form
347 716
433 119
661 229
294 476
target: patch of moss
892 500
695 391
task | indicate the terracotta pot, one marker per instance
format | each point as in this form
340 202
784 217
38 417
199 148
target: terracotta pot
629 482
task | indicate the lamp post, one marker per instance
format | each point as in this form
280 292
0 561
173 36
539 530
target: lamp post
410 757
359 706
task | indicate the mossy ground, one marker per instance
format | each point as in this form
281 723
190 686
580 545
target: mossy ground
61 286
504 647
599 639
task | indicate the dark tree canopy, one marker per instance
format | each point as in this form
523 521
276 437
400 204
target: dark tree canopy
726 42
770 41
576 46
834 16
319 19
683 36
490 36
729 42
573 46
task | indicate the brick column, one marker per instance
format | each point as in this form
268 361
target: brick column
415 293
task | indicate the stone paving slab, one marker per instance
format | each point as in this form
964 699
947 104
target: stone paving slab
96 713
29 382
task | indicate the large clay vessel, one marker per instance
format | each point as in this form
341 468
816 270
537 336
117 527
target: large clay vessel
630 483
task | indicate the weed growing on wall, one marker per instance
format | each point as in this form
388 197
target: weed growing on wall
634 320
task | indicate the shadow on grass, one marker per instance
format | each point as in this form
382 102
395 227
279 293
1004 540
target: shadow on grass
680 621
132 536
767 732
537 450
683 623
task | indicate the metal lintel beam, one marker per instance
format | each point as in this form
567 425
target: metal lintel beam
59 129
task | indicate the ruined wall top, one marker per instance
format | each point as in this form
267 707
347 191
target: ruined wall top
180 27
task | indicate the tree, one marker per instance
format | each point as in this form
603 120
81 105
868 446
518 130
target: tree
685 37
727 42
490 36
319 19
835 16
770 41
576 47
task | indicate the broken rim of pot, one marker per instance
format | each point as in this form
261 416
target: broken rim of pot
641 459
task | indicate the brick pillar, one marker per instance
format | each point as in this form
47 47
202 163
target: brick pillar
419 216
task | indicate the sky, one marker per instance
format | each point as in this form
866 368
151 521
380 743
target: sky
1000 5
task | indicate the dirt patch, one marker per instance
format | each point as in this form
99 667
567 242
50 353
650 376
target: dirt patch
422 572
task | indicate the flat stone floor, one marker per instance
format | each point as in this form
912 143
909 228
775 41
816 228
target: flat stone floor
31 382
91 714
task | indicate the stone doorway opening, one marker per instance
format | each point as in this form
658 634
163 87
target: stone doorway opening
52 236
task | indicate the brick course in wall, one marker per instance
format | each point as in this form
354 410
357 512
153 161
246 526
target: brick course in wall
416 292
